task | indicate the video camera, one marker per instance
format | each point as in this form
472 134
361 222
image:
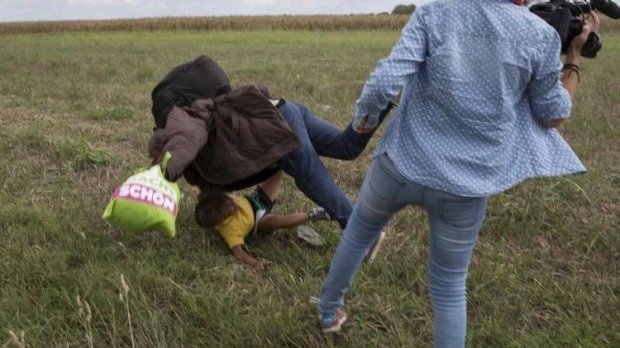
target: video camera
563 16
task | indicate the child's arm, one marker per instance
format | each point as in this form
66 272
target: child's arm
235 240
241 255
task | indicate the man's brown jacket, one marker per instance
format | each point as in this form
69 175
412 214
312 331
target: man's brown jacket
227 142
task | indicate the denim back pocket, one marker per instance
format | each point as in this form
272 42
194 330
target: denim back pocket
385 182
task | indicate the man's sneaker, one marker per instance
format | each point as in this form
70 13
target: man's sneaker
335 324
318 213
374 249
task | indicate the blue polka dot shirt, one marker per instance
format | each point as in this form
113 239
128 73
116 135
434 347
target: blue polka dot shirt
475 76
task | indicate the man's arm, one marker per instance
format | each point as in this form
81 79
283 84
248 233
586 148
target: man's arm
184 137
241 255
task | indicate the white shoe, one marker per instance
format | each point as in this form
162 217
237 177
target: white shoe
309 235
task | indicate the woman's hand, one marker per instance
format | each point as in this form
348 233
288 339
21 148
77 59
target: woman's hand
591 24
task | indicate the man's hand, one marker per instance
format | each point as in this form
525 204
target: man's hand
365 126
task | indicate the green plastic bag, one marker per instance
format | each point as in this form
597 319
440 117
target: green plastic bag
145 202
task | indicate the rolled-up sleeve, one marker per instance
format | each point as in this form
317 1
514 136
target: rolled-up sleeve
391 73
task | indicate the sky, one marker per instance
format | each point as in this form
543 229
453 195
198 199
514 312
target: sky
45 10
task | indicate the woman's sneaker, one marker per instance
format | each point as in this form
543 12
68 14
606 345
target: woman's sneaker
335 324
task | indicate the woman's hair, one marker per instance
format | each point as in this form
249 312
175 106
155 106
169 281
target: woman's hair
212 208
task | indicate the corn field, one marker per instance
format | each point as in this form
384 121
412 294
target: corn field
285 22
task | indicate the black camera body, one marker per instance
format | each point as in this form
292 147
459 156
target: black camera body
563 16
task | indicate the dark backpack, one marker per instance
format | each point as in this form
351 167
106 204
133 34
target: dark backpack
200 78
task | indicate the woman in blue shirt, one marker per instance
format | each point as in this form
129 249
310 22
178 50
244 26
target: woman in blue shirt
482 88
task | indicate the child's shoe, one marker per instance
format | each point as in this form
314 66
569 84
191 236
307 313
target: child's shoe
318 213
335 324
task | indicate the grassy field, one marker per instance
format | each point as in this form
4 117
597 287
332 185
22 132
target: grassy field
74 122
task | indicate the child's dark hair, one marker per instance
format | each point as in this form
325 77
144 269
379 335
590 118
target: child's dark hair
212 208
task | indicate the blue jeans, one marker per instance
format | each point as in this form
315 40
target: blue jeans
454 225
320 138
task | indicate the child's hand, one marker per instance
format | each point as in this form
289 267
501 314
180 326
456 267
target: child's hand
243 256
262 264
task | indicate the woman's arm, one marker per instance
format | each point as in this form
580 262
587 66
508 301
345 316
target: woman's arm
570 72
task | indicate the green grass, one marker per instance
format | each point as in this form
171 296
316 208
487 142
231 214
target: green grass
74 122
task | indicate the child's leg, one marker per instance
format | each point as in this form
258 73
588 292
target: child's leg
271 186
272 222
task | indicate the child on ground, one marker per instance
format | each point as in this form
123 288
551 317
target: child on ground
236 217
